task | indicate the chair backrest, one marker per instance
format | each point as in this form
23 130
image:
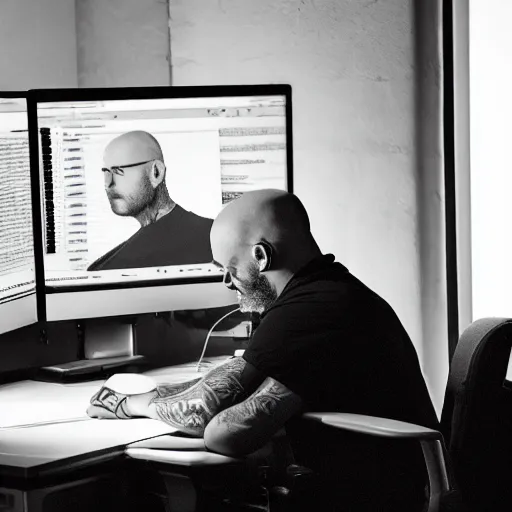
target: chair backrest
477 415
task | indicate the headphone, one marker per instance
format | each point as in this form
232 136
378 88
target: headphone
268 250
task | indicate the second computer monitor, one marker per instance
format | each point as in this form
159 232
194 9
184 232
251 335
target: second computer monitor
131 180
17 263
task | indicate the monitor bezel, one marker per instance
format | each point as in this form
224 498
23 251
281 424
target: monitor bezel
17 324
37 96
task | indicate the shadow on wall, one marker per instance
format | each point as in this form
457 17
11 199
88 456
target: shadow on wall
430 194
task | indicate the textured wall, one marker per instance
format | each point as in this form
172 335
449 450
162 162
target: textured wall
38 45
365 76
122 43
355 77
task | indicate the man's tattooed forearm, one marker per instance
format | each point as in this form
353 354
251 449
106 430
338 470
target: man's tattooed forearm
248 425
166 390
192 408
267 402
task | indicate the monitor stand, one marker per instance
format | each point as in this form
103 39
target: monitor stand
107 346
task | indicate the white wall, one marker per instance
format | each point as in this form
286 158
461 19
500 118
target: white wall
49 43
122 43
366 82
354 71
37 44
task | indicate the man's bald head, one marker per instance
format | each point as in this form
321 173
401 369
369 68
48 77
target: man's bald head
132 147
261 239
273 216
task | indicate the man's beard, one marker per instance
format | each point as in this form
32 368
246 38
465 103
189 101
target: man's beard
256 294
131 205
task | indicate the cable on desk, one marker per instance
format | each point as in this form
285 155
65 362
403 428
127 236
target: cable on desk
210 333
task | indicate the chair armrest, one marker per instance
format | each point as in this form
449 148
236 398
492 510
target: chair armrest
181 458
373 425
432 444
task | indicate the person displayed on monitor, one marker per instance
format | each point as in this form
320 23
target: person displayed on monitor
134 172
325 343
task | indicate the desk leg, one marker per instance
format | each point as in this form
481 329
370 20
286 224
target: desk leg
181 492
218 490
12 500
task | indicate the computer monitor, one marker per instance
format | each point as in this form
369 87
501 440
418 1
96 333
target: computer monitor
130 181
18 307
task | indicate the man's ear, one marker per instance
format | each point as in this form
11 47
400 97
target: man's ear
157 173
262 253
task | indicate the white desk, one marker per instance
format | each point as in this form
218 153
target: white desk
41 450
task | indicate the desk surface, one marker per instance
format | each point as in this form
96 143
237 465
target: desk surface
40 450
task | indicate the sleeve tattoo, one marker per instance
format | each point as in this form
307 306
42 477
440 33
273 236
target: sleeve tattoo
247 426
264 403
190 407
168 390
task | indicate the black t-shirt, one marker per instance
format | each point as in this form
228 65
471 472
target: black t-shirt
341 348
178 238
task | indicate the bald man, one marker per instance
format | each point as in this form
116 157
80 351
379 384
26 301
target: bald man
326 342
134 173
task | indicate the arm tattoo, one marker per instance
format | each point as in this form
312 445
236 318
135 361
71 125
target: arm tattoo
248 425
190 409
270 404
166 390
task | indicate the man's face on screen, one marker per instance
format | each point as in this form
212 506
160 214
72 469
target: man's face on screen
129 192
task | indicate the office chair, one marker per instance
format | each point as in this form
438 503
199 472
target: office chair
473 473
477 415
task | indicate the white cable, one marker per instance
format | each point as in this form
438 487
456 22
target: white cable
209 334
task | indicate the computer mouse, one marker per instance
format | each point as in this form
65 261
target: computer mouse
130 383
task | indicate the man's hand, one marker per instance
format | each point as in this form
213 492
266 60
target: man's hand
111 401
107 403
